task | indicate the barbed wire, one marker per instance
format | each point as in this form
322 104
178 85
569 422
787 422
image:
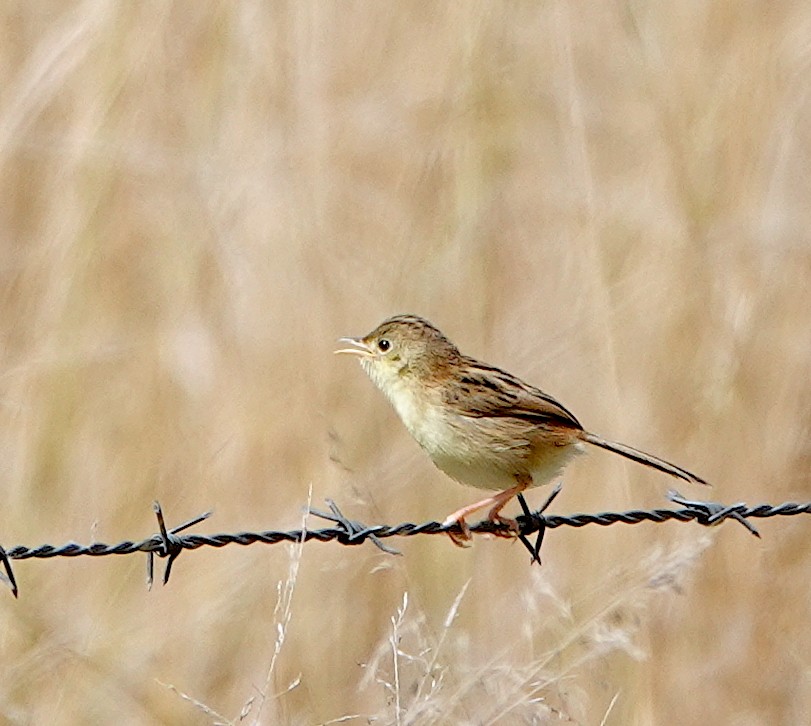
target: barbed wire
169 543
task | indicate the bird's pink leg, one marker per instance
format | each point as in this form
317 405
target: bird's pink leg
496 502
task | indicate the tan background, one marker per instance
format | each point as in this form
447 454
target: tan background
198 198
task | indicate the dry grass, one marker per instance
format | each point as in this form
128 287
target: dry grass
197 198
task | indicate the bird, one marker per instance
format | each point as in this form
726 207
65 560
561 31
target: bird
479 424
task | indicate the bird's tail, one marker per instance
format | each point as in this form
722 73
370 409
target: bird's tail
643 458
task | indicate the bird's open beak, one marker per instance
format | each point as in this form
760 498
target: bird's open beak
362 349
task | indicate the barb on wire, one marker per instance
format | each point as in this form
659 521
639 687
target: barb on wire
714 513
354 532
8 578
169 543
535 550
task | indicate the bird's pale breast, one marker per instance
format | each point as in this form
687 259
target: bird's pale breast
482 452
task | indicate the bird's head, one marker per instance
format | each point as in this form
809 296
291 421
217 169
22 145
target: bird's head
403 349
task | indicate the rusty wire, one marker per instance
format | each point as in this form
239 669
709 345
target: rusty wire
169 543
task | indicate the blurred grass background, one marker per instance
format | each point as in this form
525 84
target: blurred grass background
198 198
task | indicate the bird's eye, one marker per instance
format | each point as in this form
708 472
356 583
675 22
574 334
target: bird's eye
383 344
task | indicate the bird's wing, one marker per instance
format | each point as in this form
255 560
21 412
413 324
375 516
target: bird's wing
481 390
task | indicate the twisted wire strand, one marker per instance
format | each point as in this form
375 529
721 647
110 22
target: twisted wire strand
169 543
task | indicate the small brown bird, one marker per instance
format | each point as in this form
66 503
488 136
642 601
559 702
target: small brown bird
479 424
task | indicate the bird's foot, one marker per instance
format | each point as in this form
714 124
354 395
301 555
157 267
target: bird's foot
462 538
512 526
